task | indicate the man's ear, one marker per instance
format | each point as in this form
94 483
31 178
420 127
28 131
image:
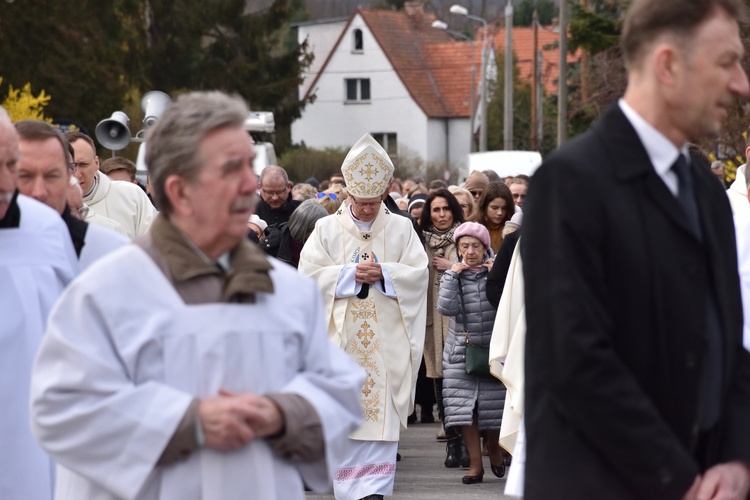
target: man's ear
667 62
178 195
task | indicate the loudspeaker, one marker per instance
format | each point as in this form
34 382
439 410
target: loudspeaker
113 133
153 104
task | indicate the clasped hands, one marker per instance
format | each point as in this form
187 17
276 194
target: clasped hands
231 420
368 272
727 481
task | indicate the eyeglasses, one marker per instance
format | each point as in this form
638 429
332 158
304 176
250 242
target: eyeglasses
476 194
332 196
73 165
280 194
369 204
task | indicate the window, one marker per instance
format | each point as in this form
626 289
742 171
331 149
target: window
357 89
358 43
388 141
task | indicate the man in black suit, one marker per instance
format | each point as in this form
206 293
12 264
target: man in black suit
637 385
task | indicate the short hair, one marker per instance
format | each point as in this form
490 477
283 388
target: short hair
470 197
425 220
303 219
75 135
492 175
37 130
303 191
438 184
648 19
118 163
494 190
273 171
174 141
518 180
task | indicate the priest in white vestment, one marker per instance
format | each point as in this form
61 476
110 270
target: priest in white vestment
188 365
37 260
372 270
123 202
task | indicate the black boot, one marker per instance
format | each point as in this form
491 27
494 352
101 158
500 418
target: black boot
465 459
453 453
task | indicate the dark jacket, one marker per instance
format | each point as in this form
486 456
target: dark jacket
461 391
276 216
499 271
616 293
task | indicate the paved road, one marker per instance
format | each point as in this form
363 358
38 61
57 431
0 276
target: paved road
420 475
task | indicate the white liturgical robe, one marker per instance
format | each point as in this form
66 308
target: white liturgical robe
123 202
37 260
135 355
383 332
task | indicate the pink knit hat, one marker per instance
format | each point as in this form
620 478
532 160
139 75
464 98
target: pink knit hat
474 229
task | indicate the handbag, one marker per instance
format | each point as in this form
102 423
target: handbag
477 357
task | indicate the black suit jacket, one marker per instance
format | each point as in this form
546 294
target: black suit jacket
616 288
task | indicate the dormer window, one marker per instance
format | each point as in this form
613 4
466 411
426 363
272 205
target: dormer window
358 46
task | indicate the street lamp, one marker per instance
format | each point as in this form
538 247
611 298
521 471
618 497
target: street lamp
460 10
472 100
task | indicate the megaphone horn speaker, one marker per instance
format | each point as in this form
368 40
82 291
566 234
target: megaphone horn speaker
113 133
153 104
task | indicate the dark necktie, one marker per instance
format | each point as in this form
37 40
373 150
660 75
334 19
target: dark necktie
686 193
710 384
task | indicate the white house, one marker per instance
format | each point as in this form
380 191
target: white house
391 74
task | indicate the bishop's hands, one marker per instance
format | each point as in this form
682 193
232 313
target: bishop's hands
727 481
368 272
231 420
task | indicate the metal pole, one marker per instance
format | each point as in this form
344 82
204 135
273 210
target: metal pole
508 101
483 93
562 93
534 97
473 101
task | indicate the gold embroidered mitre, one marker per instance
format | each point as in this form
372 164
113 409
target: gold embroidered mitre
367 169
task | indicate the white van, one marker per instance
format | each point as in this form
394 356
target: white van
505 163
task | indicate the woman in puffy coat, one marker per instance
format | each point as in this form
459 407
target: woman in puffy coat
472 403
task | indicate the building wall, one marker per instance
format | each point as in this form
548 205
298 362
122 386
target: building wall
321 38
457 139
331 122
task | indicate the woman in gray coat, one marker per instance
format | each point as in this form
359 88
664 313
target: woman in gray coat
472 403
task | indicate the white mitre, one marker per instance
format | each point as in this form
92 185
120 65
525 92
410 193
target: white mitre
367 169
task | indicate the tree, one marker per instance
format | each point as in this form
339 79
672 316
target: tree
22 104
76 58
523 12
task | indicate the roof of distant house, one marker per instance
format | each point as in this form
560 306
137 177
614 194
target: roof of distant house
436 69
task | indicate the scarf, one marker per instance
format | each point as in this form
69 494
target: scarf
438 240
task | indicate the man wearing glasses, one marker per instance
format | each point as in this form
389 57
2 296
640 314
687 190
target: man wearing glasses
43 173
372 270
276 204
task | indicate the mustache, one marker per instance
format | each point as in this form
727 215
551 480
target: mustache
244 203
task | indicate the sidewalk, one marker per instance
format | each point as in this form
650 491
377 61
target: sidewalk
420 475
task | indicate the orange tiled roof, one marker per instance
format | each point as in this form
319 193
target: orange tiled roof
404 40
436 69
523 48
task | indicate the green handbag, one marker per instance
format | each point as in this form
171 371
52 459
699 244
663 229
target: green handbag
477 357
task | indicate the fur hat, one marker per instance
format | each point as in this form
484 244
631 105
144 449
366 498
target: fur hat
474 229
254 219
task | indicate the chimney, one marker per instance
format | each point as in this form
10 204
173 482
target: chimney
414 8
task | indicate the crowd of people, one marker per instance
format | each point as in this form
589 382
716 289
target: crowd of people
256 338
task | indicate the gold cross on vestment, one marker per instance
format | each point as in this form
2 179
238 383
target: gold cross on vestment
369 384
365 335
368 172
